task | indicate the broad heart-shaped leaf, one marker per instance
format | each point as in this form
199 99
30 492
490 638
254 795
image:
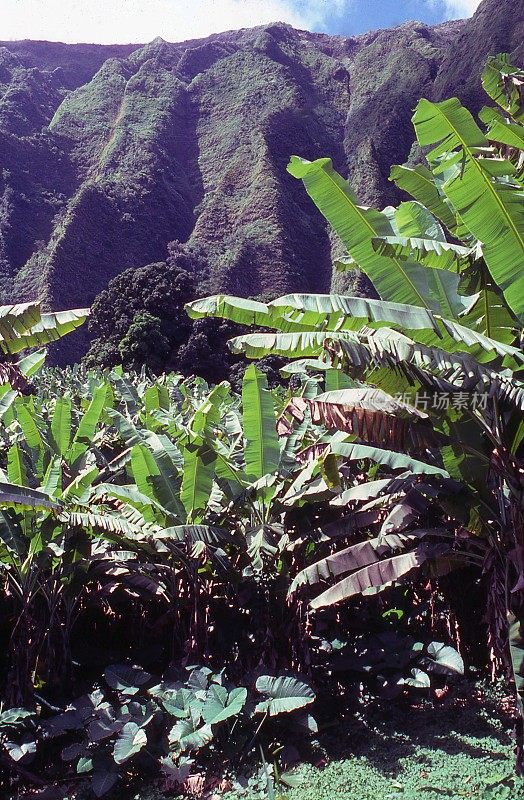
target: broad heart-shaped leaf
126 679
181 703
103 780
262 448
14 717
130 741
443 660
187 736
284 694
85 764
19 750
419 679
488 201
221 704
176 769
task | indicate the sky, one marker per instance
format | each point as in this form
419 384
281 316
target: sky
129 21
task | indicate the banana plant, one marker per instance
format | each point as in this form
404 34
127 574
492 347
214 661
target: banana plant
444 342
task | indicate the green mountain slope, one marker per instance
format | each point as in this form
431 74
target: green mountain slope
109 153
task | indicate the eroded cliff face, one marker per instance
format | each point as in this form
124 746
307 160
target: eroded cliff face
109 153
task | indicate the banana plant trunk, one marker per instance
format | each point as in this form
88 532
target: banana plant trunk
514 481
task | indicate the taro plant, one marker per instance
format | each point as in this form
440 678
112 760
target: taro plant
436 362
132 724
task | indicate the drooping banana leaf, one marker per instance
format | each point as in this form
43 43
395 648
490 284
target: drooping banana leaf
378 574
355 557
20 497
17 319
373 416
340 313
47 328
388 458
438 369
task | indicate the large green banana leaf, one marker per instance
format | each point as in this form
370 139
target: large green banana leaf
262 448
197 481
41 328
357 452
429 252
502 82
420 184
15 320
61 425
481 188
315 314
395 279
501 131
88 423
437 369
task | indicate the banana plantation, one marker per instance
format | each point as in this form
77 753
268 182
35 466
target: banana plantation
195 580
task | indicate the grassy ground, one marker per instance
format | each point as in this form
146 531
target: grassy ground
459 748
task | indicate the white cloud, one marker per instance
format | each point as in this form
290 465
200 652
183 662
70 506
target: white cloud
115 21
457 9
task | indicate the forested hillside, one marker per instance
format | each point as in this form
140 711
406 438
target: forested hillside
110 153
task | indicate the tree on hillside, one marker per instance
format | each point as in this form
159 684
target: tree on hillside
140 319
